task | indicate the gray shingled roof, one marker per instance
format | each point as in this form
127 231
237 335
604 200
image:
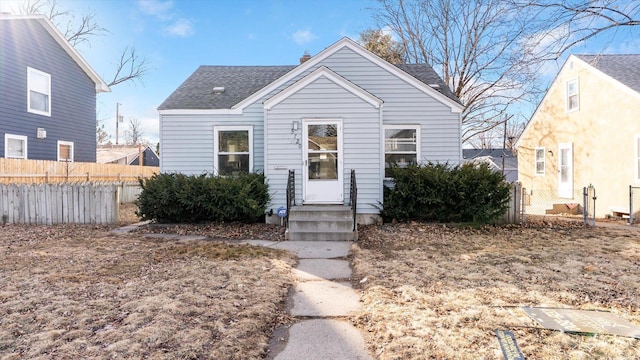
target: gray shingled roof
624 68
242 81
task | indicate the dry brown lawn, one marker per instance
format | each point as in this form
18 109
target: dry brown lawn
430 291
77 292
437 292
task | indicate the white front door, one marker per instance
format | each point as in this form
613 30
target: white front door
565 170
322 157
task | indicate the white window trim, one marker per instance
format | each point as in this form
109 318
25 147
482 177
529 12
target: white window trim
216 131
535 162
29 109
6 146
400 127
70 143
566 92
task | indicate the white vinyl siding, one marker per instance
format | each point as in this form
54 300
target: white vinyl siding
187 140
15 146
65 151
324 99
540 161
573 95
38 92
233 149
401 145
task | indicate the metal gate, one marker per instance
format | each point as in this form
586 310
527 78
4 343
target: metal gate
589 205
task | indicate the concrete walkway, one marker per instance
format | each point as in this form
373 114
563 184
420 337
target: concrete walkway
321 298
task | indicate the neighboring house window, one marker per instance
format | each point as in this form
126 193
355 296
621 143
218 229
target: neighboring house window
15 146
573 97
539 161
233 147
65 151
38 92
401 145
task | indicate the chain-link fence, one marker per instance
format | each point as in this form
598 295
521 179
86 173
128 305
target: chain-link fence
547 201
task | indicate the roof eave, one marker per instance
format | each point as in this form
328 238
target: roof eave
101 85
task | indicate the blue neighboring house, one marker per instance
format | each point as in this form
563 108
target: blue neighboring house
48 93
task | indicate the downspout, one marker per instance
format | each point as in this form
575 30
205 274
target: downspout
381 154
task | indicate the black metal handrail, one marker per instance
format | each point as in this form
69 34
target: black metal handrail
291 194
353 197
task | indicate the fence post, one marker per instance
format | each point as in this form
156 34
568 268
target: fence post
585 204
630 205
46 177
523 206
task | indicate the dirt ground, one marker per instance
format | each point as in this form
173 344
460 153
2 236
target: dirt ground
429 291
77 292
439 292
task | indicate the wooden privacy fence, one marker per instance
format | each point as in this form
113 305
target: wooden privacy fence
19 171
514 212
79 203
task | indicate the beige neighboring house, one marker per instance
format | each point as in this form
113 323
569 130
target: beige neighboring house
586 130
126 155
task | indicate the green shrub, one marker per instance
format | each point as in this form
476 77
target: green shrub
439 192
178 198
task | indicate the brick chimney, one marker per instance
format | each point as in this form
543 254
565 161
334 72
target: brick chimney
305 57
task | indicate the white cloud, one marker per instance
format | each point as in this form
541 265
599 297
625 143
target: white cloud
157 8
180 28
302 37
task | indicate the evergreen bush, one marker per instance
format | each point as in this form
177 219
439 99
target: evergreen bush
439 192
178 198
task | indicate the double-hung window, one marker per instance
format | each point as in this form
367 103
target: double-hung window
65 151
38 92
401 145
540 161
233 149
573 95
15 146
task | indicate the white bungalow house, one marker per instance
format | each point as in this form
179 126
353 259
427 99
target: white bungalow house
340 112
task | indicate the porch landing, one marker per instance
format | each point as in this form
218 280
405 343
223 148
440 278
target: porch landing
321 222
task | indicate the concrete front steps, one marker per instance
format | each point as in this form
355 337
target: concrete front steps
321 223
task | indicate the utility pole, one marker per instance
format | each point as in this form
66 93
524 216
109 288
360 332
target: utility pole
118 120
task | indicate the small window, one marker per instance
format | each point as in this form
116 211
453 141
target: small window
15 146
573 98
401 146
540 161
38 92
65 151
233 149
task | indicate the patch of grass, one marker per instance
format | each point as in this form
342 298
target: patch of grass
76 292
439 292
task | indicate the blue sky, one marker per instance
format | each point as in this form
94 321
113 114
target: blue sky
178 36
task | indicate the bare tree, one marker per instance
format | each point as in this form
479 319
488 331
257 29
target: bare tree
129 67
478 48
571 22
383 45
102 136
134 133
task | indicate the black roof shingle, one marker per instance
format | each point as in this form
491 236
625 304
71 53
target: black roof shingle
241 82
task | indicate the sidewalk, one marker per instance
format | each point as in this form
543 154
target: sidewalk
321 299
